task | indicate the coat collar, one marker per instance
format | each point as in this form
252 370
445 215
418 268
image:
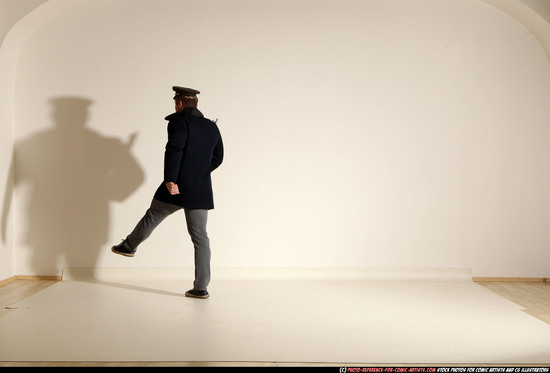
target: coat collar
194 112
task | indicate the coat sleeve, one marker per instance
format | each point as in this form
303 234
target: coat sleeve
173 154
217 156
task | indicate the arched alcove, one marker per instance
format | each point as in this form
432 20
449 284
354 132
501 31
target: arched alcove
365 134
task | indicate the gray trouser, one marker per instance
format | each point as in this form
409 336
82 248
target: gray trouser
196 226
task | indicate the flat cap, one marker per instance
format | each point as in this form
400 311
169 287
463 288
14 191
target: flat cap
182 91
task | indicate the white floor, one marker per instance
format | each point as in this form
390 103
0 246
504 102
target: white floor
268 316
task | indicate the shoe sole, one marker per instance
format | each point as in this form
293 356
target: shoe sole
187 294
121 253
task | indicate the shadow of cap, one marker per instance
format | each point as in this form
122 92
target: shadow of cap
71 101
70 110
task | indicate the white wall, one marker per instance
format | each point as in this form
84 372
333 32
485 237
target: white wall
11 11
358 134
541 7
7 252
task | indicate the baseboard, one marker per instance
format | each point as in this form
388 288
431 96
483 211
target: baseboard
36 277
7 280
510 279
273 274
30 277
474 279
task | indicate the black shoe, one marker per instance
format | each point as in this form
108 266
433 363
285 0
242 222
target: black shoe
120 249
202 294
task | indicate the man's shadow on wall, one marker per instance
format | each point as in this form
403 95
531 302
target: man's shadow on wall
73 173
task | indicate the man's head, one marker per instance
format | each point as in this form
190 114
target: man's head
185 98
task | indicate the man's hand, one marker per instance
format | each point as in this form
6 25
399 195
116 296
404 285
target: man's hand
172 188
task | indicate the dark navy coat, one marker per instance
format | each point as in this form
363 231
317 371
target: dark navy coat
194 149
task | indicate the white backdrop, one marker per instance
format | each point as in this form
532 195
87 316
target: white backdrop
358 134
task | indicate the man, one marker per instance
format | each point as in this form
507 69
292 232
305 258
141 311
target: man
194 149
